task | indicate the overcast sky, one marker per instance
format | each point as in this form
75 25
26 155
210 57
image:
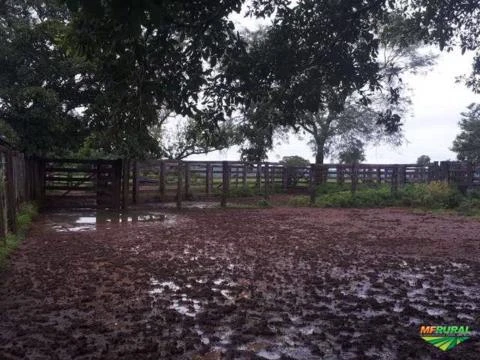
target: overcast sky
437 101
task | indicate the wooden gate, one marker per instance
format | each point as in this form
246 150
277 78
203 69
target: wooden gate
71 183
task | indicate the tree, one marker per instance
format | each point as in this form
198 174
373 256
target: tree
106 69
153 55
42 87
352 153
180 137
450 24
312 50
467 143
423 160
333 132
295 168
363 100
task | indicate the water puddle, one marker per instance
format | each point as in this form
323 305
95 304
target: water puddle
73 222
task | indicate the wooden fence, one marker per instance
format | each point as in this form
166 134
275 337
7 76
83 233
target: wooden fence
165 180
115 184
20 181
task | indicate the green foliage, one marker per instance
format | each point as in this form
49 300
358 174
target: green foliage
299 201
353 153
24 218
294 160
241 191
180 137
264 203
42 88
423 160
449 24
332 187
295 169
152 57
379 197
435 195
467 143
469 207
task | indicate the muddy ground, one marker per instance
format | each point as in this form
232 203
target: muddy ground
276 283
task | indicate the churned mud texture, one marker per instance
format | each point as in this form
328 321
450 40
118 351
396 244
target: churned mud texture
241 284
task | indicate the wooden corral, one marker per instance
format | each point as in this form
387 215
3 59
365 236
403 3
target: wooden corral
114 184
166 180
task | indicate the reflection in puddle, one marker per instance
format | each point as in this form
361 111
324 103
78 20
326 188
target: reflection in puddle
168 290
89 221
160 286
186 306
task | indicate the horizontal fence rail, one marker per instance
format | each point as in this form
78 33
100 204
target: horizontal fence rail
114 184
168 180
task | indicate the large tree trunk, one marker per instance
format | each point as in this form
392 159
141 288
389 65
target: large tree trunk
319 157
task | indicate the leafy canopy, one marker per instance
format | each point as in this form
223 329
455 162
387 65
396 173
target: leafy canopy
467 143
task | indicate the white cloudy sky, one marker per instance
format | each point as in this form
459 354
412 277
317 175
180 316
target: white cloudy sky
437 100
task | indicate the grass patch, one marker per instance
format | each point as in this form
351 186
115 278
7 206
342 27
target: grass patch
24 218
299 201
264 203
435 196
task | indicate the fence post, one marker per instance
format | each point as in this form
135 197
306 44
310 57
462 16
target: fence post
258 181
208 179
432 172
267 180
312 183
271 177
225 183
187 180
354 178
394 179
135 182
126 183
244 175
402 175
117 184
236 175
285 178
340 176
179 184
162 179
445 171
470 172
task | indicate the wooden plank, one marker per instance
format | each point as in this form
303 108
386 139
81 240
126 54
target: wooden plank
68 179
76 170
70 187
77 161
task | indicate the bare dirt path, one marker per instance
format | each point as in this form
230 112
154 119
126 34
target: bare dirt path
277 283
